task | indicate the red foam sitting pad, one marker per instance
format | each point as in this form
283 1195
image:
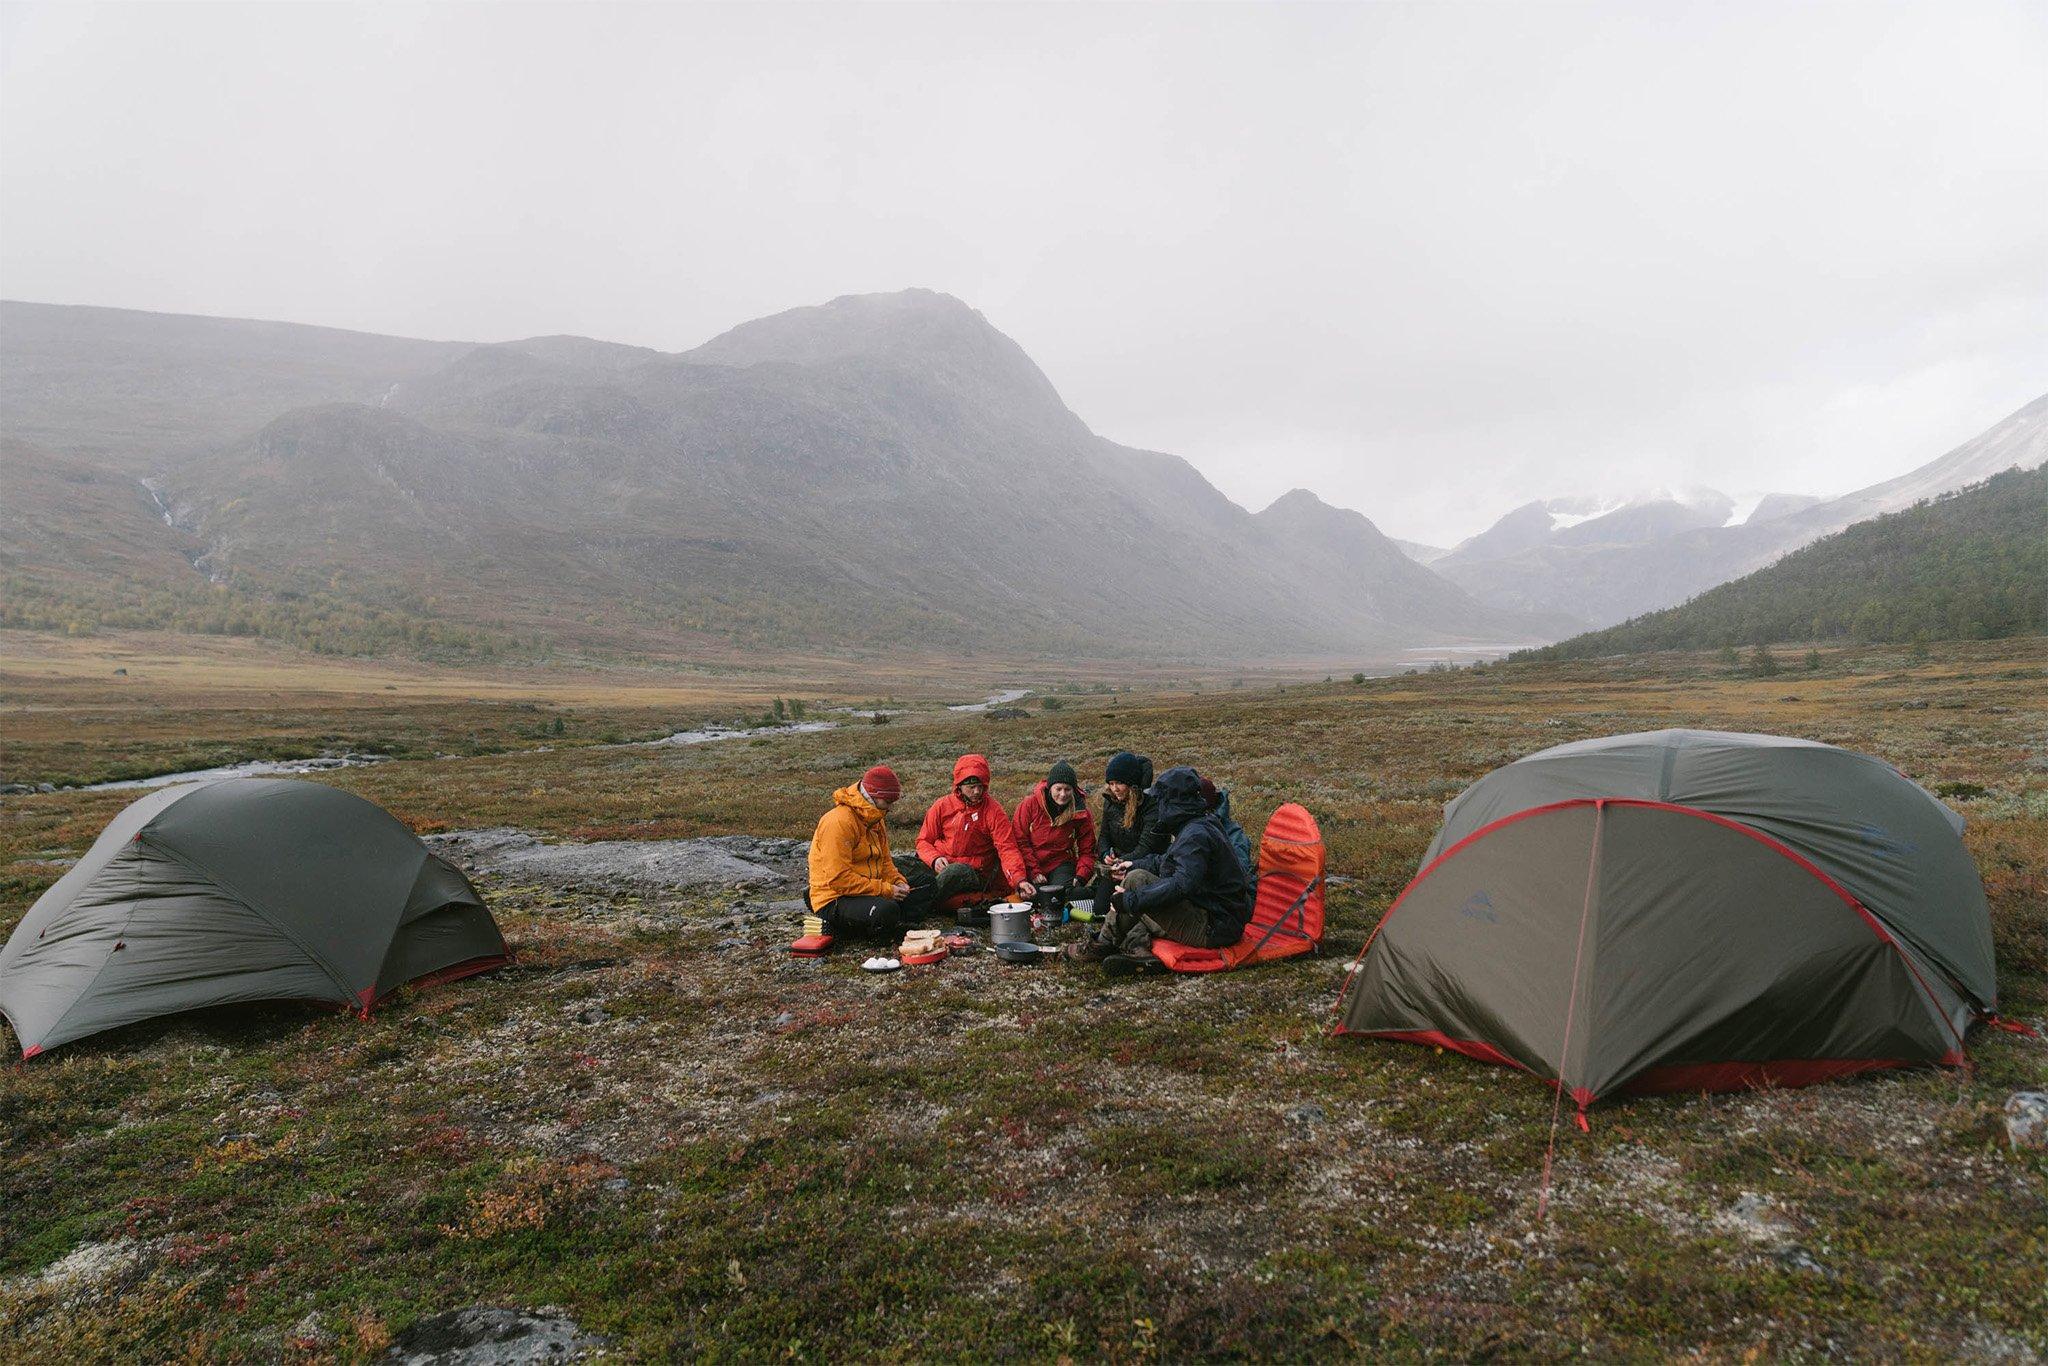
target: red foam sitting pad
811 945
1187 958
1287 913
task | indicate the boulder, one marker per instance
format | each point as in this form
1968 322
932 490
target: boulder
486 1334
2026 1119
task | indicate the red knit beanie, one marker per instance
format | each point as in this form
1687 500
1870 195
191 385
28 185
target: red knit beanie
880 782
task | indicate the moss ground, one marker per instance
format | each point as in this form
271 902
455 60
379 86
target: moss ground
698 1146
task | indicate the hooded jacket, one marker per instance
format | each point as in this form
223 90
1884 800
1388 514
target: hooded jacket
1199 866
1138 839
850 850
1047 841
979 835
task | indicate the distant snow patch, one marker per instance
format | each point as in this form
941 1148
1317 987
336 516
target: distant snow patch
1745 507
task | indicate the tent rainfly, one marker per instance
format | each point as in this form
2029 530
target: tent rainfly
247 889
1686 910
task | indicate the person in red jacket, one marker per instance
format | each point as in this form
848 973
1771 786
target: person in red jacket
964 830
1055 833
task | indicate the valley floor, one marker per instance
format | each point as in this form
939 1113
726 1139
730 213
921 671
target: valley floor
694 1145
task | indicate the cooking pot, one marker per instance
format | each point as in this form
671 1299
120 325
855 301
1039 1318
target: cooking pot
1009 922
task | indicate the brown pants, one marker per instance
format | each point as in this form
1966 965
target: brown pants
1176 920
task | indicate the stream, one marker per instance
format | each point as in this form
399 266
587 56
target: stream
255 768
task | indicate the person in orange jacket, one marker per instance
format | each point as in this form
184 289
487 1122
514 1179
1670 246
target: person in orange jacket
1054 831
966 838
856 888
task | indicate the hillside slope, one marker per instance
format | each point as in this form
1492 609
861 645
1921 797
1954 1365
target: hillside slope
878 473
1971 564
1602 573
136 392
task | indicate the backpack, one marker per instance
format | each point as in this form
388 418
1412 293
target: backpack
1239 841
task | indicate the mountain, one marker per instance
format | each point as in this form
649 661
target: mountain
1420 553
1654 553
132 392
1968 564
1587 521
882 472
1338 545
1770 507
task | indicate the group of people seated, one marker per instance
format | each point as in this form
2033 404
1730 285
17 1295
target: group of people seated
1162 860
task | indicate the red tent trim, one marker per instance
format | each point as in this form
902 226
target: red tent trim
453 973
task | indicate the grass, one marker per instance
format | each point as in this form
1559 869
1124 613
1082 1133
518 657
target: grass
722 1152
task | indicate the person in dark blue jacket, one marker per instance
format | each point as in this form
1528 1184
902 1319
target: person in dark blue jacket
1195 893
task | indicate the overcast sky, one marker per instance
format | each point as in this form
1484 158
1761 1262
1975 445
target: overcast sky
1430 261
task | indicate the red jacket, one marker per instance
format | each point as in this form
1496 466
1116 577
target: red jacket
979 835
1046 843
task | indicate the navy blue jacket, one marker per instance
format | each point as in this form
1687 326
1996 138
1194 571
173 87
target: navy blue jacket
1199 867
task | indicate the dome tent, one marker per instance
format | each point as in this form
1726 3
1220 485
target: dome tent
247 889
1686 910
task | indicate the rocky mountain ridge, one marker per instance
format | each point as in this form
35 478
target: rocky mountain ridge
880 472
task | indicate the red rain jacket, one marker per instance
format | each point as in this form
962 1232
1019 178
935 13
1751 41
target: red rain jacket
1046 843
979 835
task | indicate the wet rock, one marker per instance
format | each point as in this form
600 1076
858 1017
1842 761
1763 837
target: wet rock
1755 1217
481 1334
734 861
311 1332
1310 1114
2026 1119
88 1268
1799 1259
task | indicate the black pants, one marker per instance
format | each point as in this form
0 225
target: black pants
881 917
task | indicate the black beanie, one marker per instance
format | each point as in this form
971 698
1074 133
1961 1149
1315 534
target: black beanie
1063 772
1126 768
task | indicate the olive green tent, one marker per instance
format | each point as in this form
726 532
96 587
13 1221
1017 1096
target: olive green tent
1686 910
247 889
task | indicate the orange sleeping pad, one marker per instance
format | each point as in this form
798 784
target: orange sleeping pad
1287 915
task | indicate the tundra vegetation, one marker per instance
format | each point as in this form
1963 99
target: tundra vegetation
697 1146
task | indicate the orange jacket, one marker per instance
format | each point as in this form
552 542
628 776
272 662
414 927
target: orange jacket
850 850
1047 843
979 835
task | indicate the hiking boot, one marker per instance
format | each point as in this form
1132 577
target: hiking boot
974 917
1086 951
1130 964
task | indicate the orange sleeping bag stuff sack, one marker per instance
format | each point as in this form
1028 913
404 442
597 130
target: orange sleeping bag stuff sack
1287 915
